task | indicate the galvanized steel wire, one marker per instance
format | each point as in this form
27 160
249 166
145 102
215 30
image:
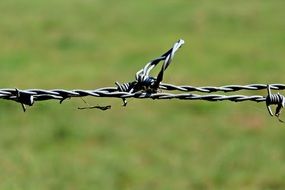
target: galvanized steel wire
147 87
226 88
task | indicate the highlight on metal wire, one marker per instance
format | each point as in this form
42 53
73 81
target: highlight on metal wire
146 86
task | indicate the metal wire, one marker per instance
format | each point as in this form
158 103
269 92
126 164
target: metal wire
60 94
145 86
227 88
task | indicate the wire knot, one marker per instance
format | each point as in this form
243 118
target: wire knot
24 98
275 99
146 84
150 84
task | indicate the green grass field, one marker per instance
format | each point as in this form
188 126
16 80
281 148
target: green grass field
149 144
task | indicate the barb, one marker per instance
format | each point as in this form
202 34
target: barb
148 87
275 99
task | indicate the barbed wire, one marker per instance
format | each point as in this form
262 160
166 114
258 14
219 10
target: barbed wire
29 96
145 86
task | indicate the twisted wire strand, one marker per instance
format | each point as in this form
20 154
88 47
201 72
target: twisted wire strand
59 94
142 87
148 87
226 88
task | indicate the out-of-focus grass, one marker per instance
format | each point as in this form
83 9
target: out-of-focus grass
149 144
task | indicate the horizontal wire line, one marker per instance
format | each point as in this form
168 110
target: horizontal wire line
60 94
148 87
226 88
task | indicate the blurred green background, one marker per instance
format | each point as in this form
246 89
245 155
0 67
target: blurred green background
149 144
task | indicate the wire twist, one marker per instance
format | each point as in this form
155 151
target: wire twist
226 88
150 83
36 95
